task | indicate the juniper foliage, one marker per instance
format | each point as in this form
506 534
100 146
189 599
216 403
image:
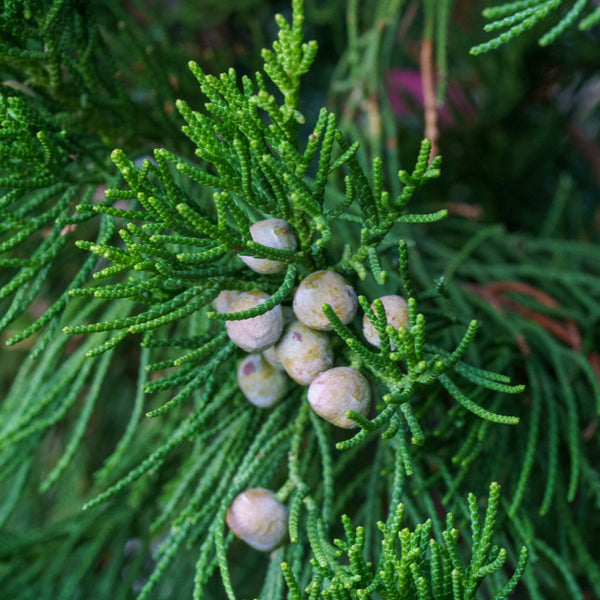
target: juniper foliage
518 17
139 242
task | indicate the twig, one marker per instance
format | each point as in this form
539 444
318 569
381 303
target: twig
427 76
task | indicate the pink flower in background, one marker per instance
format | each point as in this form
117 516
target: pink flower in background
405 91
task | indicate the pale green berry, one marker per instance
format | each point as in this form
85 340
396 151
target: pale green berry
324 287
259 519
257 333
334 392
274 233
304 353
223 301
396 312
262 385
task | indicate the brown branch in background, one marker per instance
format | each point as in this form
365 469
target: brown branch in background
487 294
409 16
566 331
371 107
590 430
427 77
523 345
472 212
594 360
526 289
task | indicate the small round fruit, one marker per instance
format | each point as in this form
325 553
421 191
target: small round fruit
324 287
224 300
304 353
272 356
258 518
396 312
262 385
274 233
336 391
257 333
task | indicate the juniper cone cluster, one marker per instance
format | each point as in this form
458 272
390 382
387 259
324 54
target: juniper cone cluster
335 394
304 353
259 349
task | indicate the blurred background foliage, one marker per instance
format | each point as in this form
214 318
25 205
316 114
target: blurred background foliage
519 136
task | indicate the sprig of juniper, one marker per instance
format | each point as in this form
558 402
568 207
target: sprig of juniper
45 392
69 92
79 58
42 176
31 409
80 538
382 212
186 250
418 567
540 316
545 318
522 15
405 364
